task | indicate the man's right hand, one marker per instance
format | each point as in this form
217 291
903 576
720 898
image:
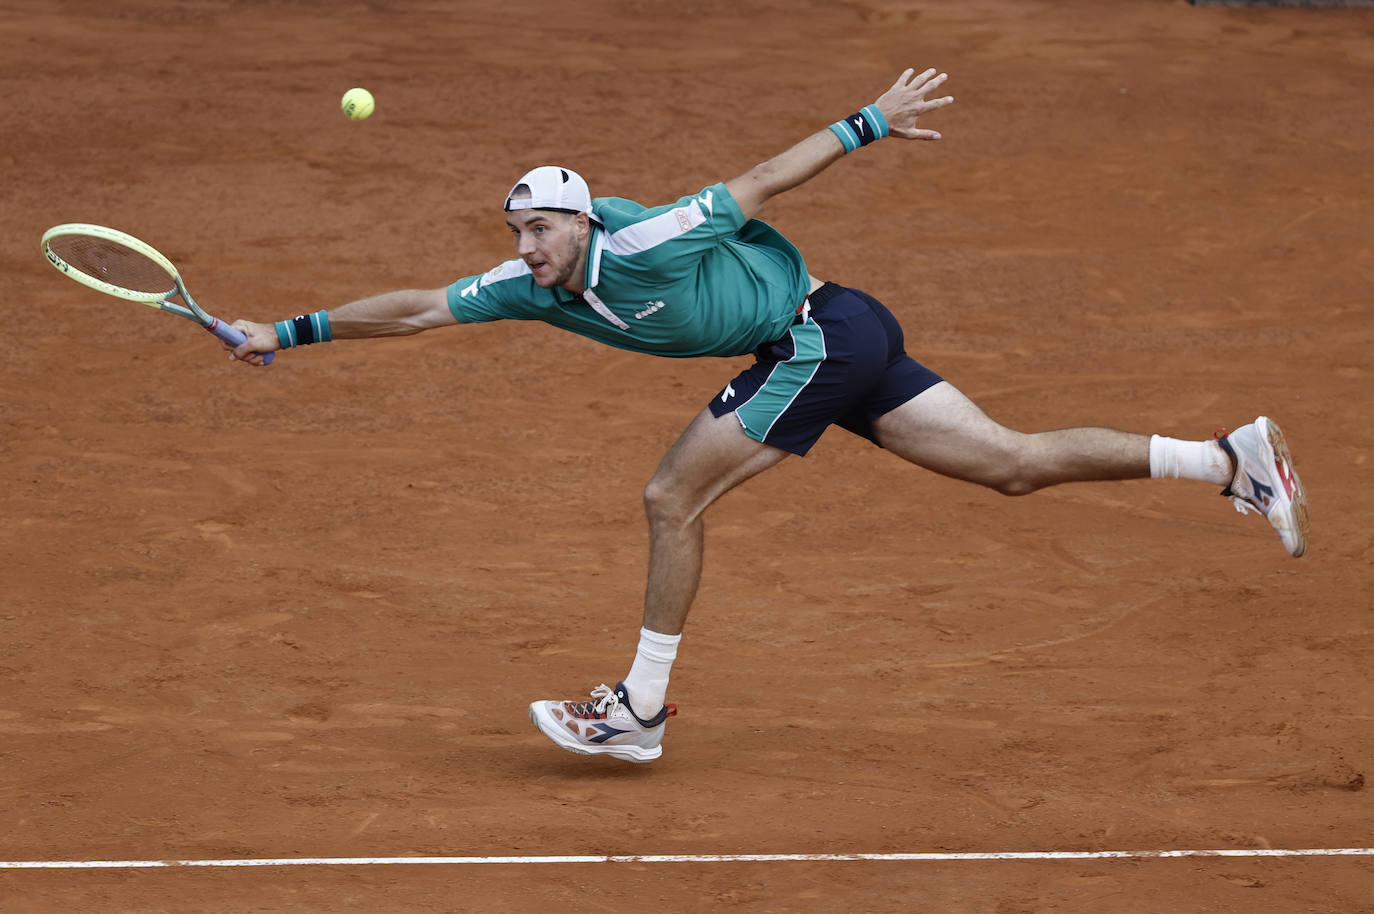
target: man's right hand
261 339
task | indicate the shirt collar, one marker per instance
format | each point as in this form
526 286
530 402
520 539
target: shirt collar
592 271
592 276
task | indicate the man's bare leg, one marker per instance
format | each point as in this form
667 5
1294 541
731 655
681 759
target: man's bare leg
944 431
710 458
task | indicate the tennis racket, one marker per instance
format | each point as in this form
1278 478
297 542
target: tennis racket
118 264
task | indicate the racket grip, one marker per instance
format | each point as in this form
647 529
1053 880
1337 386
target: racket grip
233 336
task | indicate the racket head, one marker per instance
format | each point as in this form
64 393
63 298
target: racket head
110 261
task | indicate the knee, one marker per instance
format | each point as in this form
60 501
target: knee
1016 485
1016 476
665 502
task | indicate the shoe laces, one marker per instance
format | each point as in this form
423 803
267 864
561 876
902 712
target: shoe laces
604 700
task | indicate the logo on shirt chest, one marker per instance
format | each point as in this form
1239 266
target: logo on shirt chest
649 308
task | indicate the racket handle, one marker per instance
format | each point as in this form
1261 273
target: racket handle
233 336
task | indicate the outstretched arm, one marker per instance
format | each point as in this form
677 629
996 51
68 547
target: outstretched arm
901 105
399 313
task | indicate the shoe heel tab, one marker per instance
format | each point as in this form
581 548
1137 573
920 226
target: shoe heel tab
670 710
1230 452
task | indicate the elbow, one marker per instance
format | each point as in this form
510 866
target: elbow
763 179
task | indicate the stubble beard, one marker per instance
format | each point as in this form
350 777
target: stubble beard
566 274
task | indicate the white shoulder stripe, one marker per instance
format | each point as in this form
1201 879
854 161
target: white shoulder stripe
502 271
508 270
650 233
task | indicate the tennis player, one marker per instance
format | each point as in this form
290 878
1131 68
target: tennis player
703 277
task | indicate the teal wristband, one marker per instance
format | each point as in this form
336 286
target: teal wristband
304 329
286 334
867 125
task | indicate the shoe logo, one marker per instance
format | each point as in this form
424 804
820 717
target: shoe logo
729 392
1263 492
650 308
604 732
1290 482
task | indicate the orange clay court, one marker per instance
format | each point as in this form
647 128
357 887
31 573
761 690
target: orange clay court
299 612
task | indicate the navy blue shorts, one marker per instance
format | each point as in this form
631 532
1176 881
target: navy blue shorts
842 363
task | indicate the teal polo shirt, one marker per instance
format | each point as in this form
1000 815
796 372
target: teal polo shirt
691 278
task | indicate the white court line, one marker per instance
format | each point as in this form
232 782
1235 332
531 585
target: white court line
689 858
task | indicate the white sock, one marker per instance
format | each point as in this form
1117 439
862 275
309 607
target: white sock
647 682
1204 461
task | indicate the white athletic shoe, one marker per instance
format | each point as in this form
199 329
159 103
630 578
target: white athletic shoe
1265 481
606 725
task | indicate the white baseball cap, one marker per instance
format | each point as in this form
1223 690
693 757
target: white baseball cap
552 187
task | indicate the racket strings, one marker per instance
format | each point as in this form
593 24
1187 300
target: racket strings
111 262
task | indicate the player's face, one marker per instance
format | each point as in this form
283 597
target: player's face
552 244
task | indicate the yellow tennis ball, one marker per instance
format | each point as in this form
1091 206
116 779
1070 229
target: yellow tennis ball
358 104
